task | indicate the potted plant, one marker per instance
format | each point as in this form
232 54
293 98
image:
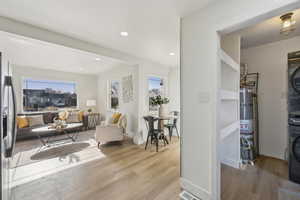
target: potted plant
161 102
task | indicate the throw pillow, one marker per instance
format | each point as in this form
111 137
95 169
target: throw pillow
73 117
22 122
116 117
81 114
35 120
63 115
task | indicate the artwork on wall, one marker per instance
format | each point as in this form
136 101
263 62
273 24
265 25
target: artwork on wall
114 94
127 88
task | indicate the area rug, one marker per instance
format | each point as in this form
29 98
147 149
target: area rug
32 161
285 194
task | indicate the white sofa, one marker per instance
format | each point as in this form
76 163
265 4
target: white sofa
110 132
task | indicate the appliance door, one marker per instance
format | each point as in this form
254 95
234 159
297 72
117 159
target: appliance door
295 80
296 148
8 127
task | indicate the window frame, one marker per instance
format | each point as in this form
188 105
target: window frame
165 90
53 80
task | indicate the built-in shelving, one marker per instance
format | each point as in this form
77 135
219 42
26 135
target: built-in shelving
229 125
228 61
230 129
229 95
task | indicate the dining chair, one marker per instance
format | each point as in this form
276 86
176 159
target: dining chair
153 134
173 124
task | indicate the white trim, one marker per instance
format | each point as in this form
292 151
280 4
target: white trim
231 163
228 130
228 60
194 189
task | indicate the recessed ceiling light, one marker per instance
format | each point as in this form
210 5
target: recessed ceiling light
172 54
124 34
97 59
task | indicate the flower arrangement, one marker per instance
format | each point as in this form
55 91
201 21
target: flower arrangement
158 100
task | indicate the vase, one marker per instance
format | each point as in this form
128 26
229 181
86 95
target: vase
163 110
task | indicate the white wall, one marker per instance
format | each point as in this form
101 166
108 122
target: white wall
138 108
270 61
86 85
200 83
130 108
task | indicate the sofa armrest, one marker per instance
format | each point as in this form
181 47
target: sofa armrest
109 133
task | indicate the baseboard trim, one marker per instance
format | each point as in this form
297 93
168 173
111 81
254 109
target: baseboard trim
231 163
194 189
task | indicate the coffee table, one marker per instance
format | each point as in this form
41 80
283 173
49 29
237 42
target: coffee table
71 131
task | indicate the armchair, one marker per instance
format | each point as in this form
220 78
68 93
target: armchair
110 132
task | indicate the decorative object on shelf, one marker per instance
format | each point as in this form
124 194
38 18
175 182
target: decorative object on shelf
288 24
90 103
127 88
162 103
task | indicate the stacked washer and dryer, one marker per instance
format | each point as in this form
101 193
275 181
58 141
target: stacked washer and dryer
294 115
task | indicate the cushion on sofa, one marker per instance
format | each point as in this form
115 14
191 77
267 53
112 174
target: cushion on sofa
116 117
22 122
35 120
73 117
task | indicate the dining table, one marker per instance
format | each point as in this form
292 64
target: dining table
162 119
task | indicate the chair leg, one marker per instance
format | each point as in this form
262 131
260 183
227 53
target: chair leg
177 132
156 141
170 132
147 142
99 143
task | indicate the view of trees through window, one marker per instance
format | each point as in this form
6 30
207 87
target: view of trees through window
155 85
42 95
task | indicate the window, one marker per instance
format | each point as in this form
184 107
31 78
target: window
155 86
42 95
114 92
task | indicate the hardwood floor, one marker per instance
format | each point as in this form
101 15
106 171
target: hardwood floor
128 172
267 180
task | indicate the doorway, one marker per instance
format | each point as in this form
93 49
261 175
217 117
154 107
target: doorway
258 57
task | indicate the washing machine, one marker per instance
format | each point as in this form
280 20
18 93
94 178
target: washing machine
294 149
294 115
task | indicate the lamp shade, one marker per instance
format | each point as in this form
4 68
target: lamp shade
91 102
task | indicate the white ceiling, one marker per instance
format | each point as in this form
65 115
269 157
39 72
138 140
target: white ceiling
267 31
153 25
27 52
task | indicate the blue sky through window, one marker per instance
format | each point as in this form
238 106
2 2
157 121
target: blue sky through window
154 83
54 85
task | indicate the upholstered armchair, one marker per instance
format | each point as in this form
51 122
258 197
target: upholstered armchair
110 132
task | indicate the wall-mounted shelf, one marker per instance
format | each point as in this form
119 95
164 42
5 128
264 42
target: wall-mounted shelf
227 95
228 61
228 130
